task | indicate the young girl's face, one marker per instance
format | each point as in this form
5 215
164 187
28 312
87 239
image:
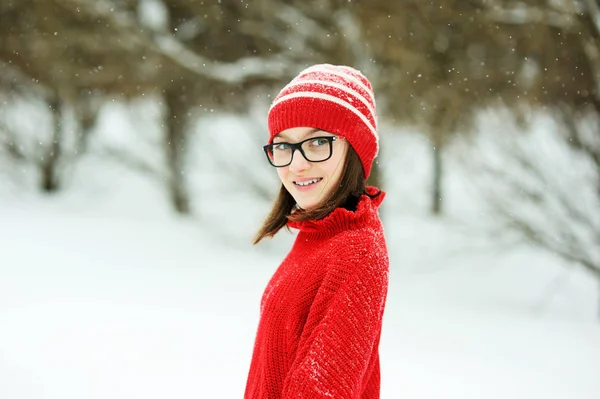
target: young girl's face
310 182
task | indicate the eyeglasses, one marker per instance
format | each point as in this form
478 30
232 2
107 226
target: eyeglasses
314 149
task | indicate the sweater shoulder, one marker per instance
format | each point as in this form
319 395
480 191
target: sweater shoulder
362 251
360 241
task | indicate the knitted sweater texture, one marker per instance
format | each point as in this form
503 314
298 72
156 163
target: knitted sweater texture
321 312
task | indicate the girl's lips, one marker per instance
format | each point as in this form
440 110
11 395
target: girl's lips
305 179
307 187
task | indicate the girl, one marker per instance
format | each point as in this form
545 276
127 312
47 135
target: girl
321 312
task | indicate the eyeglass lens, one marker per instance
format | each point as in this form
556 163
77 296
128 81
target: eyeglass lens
315 150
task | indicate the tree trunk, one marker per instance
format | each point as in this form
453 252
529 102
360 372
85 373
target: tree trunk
175 142
436 188
86 112
49 179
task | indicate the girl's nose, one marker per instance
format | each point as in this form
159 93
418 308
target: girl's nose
299 163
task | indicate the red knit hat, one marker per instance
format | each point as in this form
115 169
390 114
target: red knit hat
336 99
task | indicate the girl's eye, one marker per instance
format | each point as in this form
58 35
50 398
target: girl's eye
319 142
281 147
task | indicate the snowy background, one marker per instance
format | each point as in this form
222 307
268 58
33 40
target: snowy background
106 293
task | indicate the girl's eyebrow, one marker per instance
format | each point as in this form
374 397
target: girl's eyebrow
308 133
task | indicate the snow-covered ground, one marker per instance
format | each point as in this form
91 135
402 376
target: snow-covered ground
105 294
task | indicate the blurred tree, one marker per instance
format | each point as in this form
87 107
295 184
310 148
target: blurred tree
544 183
204 33
49 161
562 49
83 50
30 142
71 54
439 62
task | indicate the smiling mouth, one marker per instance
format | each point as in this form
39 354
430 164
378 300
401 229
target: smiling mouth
308 182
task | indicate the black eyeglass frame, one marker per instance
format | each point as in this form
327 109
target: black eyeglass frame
298 146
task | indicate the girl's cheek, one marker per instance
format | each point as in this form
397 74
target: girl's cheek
281 174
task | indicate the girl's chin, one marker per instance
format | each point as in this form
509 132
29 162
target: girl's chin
306 208
305 204
308 200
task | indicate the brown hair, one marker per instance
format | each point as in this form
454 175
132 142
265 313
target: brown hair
352 184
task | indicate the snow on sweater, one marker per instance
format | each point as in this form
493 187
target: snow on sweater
321 312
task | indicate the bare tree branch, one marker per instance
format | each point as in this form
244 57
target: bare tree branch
8 142
525 191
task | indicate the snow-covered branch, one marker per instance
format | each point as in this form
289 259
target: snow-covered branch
522 14
594 13
169 47
227 72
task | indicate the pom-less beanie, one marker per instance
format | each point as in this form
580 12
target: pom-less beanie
333 98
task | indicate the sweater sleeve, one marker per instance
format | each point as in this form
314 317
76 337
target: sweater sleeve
341 331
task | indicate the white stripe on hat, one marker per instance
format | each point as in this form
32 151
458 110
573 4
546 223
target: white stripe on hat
342 87
321 68
334 99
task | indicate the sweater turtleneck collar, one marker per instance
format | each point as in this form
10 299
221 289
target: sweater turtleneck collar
341 218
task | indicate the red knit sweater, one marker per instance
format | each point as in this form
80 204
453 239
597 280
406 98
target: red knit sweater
321 312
